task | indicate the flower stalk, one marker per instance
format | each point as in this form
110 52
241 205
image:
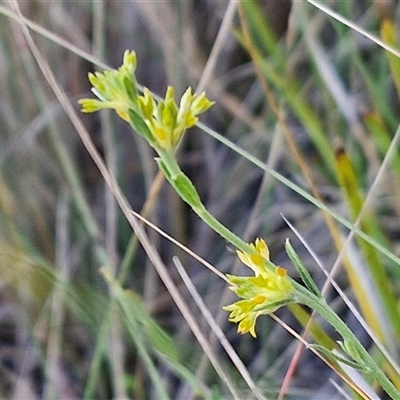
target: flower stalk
162 123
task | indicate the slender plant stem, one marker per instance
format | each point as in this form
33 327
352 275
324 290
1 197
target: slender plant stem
222 230
174 170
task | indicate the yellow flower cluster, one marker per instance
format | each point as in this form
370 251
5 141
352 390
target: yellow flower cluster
165 121
263 293
115 89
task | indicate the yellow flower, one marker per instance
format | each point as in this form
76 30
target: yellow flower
115 89
161 122
257 259
263 293
190 106
166 121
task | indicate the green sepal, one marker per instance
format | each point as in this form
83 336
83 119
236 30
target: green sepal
138 124
301 269
130 86
184 186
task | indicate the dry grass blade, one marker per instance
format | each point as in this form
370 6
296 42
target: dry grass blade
226 25
355 27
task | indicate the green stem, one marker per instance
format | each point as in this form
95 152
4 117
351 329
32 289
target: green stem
174 170
318 304
222 230
168 156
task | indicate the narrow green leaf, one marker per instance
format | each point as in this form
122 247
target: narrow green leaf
184 186
334 355
301 269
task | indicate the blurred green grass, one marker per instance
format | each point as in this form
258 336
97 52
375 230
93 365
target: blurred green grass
66 332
